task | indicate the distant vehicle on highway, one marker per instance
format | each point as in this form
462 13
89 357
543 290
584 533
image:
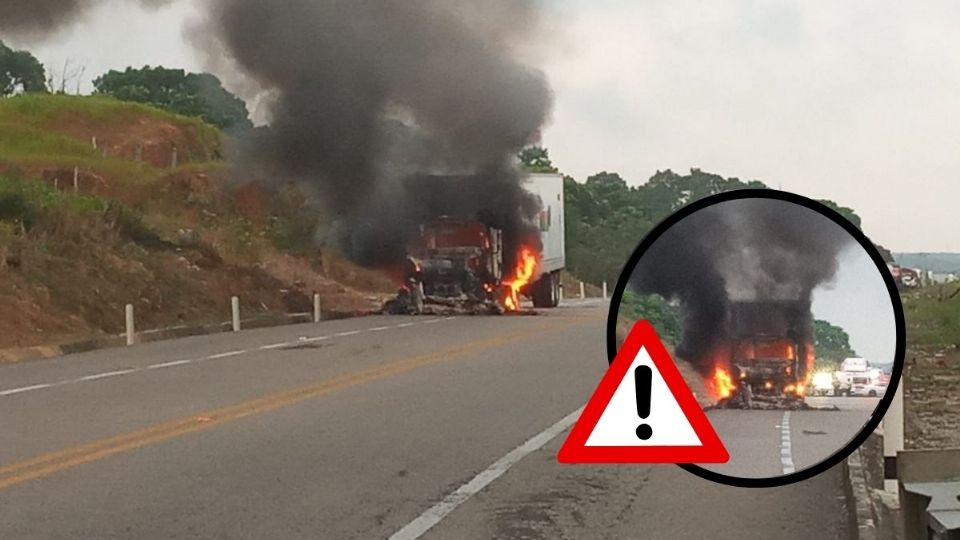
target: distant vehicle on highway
867 390
854 371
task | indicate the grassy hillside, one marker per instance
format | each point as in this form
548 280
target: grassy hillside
933 317
153 219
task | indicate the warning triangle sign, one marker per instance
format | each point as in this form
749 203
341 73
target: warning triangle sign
660 423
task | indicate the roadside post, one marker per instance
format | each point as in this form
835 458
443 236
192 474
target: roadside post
235 308
604 290
131 331
316 307
583 293
892 439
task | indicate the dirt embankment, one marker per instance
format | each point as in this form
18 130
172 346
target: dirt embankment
931 377
932 398
174 236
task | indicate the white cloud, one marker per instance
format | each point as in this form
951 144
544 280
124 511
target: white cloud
852 102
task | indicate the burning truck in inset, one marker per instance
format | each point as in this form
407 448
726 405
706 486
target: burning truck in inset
465 258
770 349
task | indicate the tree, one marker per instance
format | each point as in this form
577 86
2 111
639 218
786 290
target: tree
606 218
536 159
20 71
832 344
190 94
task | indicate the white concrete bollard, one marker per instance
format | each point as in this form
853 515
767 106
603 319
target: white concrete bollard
560 293
892 438
604 290
583 293
316 308
235 308
131 330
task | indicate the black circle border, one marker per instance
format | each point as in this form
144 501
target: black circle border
865 243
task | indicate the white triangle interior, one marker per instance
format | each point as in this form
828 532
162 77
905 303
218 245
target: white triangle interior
618 423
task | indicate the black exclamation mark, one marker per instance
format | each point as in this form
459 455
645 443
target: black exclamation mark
643 376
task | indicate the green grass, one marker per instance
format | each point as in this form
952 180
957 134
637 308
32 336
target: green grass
46 109
26 201
933 318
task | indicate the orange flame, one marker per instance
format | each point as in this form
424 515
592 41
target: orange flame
723 384
527 263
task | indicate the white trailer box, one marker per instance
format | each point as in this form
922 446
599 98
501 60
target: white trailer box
549 189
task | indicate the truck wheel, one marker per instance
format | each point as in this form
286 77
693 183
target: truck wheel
546 291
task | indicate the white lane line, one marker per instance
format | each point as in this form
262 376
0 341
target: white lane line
24 389
169 364
227 354
786 448
107 374
416 528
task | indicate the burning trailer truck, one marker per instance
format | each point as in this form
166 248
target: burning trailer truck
463 259
771 350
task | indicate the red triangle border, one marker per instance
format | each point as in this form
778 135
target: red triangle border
642 335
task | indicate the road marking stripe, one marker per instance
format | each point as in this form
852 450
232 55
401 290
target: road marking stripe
24 389
786 451
107 374
228 354
416 528
170 364
274 346
48 464
225 354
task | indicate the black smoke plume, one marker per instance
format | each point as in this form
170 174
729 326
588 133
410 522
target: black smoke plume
364 95
757 250
369 96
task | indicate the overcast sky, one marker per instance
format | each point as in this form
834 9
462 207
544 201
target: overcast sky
851 101
857 300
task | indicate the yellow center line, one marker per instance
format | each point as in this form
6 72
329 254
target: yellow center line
50 463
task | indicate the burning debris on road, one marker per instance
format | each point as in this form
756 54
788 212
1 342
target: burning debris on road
744 272
456 267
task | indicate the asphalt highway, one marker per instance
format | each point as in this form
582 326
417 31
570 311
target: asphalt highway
364 428
765 443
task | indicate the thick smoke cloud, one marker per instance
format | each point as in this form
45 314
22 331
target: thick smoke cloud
40 17
743 250
366 94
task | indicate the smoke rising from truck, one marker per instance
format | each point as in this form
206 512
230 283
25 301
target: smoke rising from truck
365 95
757 250
362 95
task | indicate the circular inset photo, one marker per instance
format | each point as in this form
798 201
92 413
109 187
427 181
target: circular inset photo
784 321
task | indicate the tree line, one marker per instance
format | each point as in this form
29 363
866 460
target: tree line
607 218
200 95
